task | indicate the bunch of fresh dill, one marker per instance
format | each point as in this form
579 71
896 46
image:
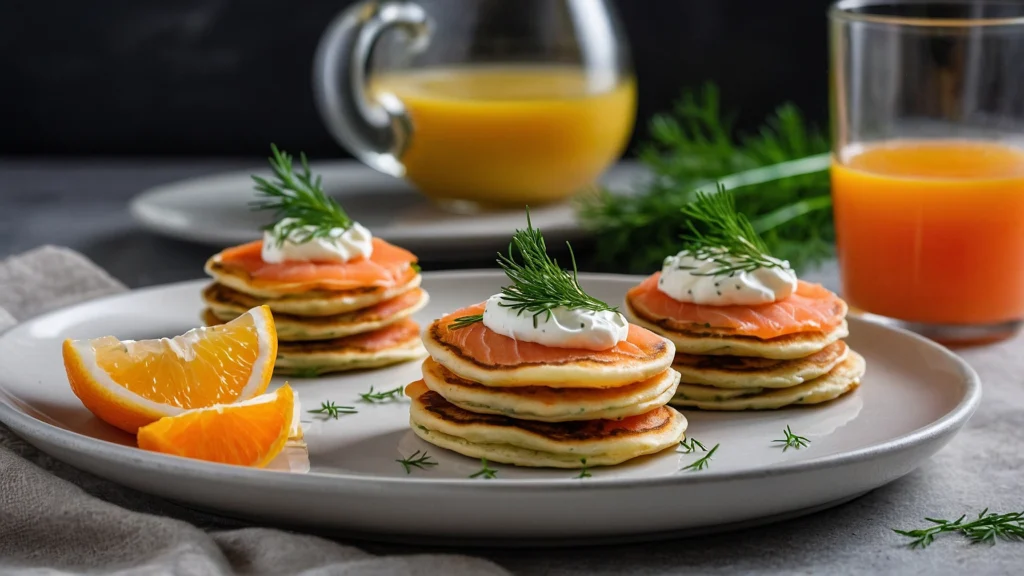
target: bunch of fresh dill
690 150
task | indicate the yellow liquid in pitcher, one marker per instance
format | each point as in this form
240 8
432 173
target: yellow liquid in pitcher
511 135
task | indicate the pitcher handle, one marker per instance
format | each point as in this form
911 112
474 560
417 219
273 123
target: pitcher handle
375 131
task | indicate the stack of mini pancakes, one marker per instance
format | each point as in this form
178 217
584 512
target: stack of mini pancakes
324 331
485 395
721 369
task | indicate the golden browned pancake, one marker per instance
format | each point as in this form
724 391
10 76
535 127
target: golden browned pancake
232 286
292 328
698 392
843 378
754 372
712 342
541 444
552 404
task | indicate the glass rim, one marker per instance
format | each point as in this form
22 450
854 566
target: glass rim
842 10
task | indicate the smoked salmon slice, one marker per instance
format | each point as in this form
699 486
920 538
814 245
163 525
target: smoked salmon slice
388 266
580 430
812 308
488 348
392 307
380 339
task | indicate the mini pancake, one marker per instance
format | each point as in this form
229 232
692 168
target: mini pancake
752 372
708 393
243 269
546 404
315 303
842 379
477 353
811 308
297 328
541 444
709 342
399 342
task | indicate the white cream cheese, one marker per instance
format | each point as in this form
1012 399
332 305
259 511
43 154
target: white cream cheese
686 278
565 328
342 245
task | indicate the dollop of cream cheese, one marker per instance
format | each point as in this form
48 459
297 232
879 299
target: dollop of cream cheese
342 245
686 278
565 328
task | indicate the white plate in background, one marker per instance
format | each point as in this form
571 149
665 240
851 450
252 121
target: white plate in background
215 210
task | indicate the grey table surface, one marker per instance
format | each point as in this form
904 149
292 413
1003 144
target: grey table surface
83 204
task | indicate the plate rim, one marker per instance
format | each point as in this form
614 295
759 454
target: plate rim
143 212
27 426
141 209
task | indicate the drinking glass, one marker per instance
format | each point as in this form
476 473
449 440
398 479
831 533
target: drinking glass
479 103
927 109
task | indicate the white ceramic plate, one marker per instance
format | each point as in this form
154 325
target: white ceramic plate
915 397
215 210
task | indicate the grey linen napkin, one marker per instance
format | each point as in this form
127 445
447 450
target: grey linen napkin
55 519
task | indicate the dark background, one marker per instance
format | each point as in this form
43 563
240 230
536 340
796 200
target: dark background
226 77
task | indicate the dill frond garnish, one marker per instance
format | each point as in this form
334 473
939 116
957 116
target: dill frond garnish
485 472
985 529
728 239
539 284
373 396
792 440
585 471
703 462
331 410
692 446
463 321
417 460
302 211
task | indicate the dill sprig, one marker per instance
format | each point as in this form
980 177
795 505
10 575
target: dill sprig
702 462
584 472
463 321
779 174
728 239
417 460
693 446
485 472
373 396
539 284
302 211
792 440
985 529
331 410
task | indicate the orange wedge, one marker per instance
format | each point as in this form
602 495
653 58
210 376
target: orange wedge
250 433
133 383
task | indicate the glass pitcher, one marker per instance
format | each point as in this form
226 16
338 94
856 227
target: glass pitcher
479 103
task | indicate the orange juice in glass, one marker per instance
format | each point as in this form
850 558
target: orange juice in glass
928 164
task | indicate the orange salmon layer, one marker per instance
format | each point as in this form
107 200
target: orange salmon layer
396 334
381 311
812 308
487 347
387 266
583 429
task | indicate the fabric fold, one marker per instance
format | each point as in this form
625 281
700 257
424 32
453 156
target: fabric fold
55 519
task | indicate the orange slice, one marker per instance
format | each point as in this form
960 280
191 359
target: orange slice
249 433
132 383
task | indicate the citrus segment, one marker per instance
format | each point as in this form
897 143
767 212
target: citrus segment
249 433
132 383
